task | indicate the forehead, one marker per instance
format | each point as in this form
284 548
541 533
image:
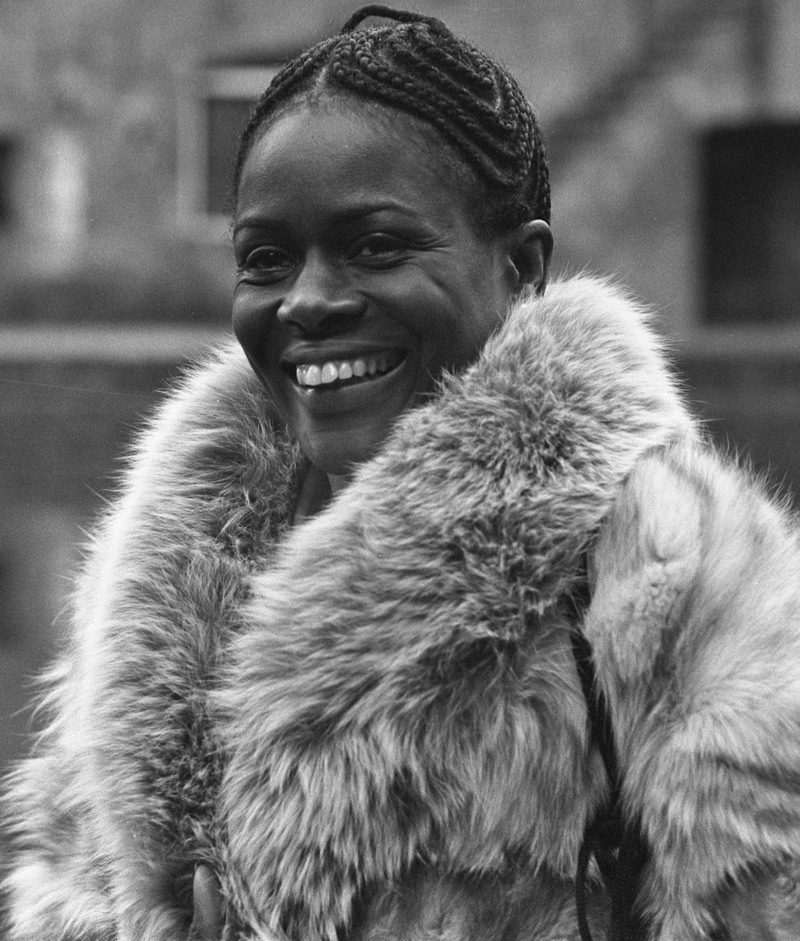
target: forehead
345 146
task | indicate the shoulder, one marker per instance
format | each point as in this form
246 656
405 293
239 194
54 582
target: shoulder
214 409
207 486
695 628
596 321
697 568
215 437
583 364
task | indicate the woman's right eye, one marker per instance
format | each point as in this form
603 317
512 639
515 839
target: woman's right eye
267 262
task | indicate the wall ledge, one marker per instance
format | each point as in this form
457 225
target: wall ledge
107 343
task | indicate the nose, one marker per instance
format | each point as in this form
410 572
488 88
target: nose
320 299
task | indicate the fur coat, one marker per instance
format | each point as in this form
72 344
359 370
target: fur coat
371 725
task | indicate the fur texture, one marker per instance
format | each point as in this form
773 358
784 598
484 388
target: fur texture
117 805
695 626
373 723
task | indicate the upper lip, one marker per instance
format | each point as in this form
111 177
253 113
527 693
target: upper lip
301 354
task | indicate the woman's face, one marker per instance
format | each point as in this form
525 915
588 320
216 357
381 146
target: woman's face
360 277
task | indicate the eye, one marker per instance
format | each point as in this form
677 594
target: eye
267 263
379 250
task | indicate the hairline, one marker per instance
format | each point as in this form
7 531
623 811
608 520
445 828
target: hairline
442 157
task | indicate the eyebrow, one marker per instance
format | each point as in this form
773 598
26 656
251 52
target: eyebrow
351 214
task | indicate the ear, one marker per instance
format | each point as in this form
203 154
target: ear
530 251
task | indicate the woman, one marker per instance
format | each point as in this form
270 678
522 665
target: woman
371 716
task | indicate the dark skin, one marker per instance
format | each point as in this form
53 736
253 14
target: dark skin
457 281
352 247
207 900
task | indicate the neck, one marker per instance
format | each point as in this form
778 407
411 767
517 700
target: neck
338 482
316 492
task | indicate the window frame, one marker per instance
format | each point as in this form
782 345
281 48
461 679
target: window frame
220 81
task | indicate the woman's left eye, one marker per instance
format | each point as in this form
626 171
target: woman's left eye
380 249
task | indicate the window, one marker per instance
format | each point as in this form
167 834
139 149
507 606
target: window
8 625
751 217
215 107
7 153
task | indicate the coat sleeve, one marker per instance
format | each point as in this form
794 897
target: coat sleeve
695 624
56 885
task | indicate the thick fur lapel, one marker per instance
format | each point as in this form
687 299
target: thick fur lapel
405 688
129 756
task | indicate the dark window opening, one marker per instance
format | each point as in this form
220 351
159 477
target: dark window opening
221 104
8 615
751 218
226 120
7 153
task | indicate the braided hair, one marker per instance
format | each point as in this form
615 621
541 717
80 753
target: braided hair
418 66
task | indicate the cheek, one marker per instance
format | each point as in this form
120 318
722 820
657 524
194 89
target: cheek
249 322
254 320
466 307
456 337
483 310
254 328
430 310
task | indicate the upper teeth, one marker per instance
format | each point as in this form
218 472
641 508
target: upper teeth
312 374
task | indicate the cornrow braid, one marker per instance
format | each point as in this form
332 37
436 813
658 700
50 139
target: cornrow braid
418 66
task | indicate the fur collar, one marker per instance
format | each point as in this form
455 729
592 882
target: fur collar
398 691
404 690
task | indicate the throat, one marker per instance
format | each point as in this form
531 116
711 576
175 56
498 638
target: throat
316 492
338 482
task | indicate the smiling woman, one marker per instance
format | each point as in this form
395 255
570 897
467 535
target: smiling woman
355 257
424 612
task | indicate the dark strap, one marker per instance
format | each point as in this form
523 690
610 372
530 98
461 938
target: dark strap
617 845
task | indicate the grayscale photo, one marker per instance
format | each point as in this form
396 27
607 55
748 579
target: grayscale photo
399 470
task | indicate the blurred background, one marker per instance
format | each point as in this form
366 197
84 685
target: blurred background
673 128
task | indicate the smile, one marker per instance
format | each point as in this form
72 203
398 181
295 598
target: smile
345 372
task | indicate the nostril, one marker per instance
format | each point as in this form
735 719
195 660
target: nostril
323 318
338 323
